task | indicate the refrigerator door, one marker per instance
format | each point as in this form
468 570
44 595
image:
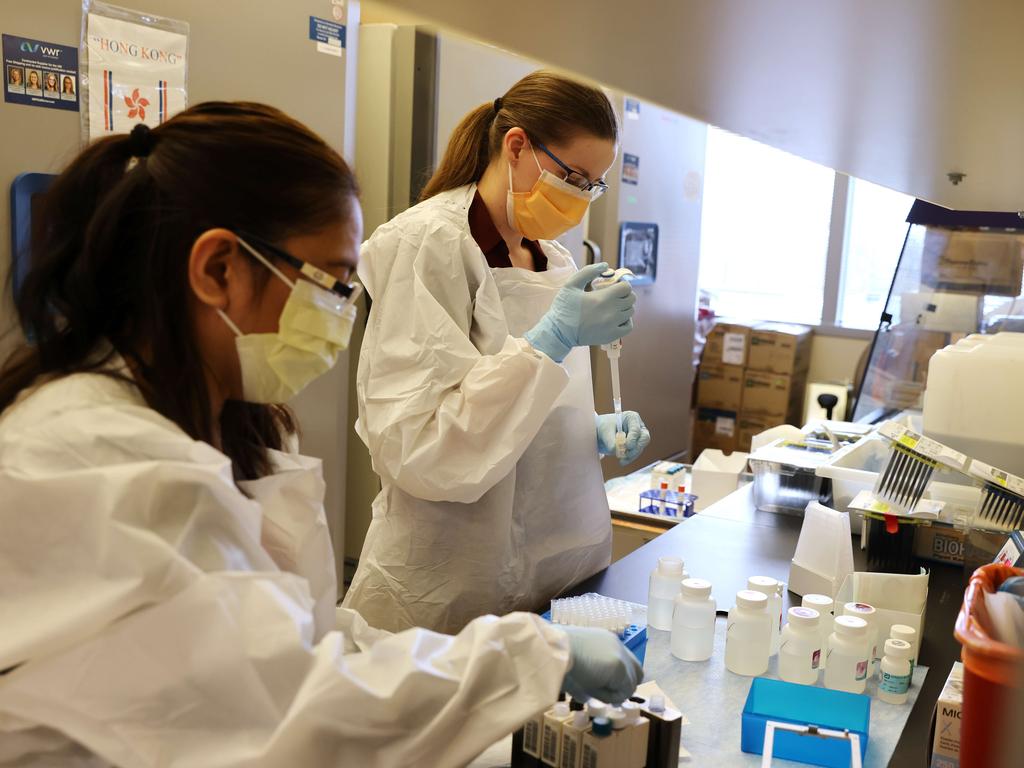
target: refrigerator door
657 180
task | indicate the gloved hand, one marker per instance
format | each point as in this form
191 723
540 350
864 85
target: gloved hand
638 436
601 666
580 318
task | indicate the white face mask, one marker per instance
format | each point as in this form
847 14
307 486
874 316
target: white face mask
314 328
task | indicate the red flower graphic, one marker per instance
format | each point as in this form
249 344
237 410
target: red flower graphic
136 105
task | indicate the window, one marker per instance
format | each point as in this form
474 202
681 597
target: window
764 231
876 226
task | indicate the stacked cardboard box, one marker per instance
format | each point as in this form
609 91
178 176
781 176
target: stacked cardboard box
752 377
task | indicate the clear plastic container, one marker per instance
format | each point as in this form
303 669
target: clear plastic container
824 605
800 649
661 596
894 677
748 635
772 589
784 488
693 621
847 668
870 616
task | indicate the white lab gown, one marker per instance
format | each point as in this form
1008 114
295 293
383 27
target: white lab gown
146 619
492 496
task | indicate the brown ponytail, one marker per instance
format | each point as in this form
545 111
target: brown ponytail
552 109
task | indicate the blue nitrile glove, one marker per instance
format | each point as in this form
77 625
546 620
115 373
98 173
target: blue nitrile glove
638 436
581 318
601 667
1014 585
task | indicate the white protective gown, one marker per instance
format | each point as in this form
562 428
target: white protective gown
492 496
152 614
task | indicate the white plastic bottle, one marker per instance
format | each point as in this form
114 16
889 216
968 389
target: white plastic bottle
869 614
847 668
661 597
824 605
894 677
693 621
908 634
772 588
748 634
800 648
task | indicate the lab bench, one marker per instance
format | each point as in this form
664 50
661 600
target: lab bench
731 540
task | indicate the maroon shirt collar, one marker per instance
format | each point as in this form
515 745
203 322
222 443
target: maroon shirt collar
487 237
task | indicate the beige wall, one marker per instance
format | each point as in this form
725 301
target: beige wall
835 358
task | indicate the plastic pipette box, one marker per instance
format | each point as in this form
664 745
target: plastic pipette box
804 705
635 636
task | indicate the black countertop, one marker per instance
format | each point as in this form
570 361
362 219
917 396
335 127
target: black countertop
731 540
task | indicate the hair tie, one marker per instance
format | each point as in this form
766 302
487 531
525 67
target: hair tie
140 140
498 102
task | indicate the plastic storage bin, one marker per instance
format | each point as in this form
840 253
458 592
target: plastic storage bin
781 487
804 705
992 672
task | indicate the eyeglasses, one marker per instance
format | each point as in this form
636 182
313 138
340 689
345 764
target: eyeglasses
577 179
317 275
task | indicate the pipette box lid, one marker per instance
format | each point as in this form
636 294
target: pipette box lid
779 701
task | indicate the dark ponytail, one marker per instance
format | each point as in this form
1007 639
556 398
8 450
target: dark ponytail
552 109
110 253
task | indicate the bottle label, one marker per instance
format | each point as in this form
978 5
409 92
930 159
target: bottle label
568 752
550 751
589 757
862 670
897 684
531 738
816 659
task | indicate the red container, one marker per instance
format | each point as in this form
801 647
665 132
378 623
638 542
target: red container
993 672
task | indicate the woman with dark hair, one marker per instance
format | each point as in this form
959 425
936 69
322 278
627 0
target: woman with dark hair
167 583
68 87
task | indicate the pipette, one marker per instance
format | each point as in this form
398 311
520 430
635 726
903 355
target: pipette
614 350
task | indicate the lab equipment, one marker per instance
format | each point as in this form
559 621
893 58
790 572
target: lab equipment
639 735
812 725
824 552
693 621
716 475
772 589
748 634
848 655
784 475
533 729
800 650
598 746
870 616
661 498
908 635
912 462
670 472
665 732
662 590
614 350
601 665
667 503
572 740
824 605
1002 498
895 672
520 441
551 741
627 620
630 427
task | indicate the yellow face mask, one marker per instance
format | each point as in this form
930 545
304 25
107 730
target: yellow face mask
551 208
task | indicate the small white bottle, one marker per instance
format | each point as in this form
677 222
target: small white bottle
847 668
661 597
772 588
800 648
693 621
824 605
869 614
748 634
908 634
894 676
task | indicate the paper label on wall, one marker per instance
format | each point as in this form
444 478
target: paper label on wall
632 109
328 35
630 169
734 348
40 74
725 426
136 71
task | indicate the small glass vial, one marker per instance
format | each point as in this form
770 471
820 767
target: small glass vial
693 621
664 586
748 634
894 675
824 605
848 655
772 588
908 634
869 614
800 648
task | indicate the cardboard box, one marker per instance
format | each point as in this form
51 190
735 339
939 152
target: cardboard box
728 343
1012 552
985 263
946 745
715 428
940 543
751 425
774 395
780 348
720 386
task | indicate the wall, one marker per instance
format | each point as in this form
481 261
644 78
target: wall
835 358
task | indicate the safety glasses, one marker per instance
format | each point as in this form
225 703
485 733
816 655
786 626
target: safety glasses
575 178
317 275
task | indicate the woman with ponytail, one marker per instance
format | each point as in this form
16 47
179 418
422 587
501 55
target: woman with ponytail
474 386
167 583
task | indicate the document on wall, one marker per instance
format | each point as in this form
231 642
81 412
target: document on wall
135 69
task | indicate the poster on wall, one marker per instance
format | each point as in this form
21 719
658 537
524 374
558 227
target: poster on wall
638 250
40 74
135 69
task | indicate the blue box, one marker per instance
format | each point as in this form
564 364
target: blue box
634 638
804 705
